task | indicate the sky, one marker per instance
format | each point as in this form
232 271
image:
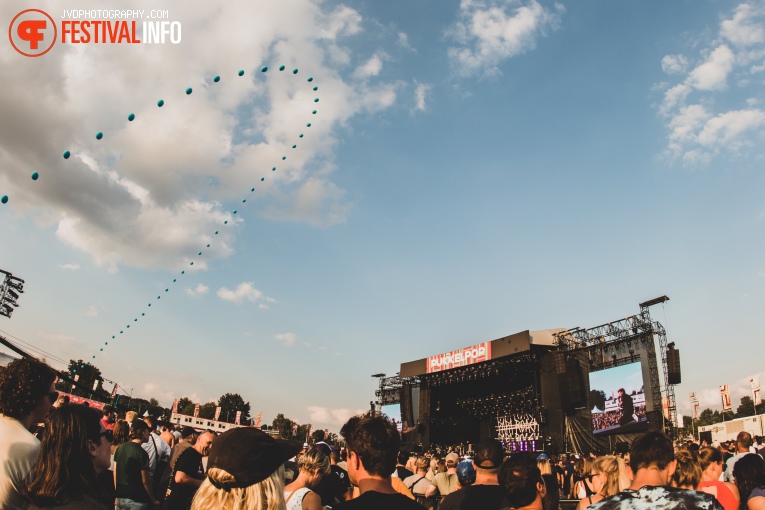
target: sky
475 168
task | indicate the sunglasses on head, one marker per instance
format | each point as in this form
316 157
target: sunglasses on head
108 434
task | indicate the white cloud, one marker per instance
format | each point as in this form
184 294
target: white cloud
69 267
325 416
674 64
403 40
713 74
244 290
200 290
744 29
421 92
153 191
709 398
287 338
490 31
371 67
697 129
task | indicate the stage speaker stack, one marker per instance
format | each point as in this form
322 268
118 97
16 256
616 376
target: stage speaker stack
406 404
673 366
576 387
559 362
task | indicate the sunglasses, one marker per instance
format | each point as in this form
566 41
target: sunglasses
53 396
108 434
589 477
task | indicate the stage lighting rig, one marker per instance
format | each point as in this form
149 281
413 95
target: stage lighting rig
10 289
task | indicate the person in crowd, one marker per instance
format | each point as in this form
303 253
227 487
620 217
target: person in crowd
62 400
27 393
711 463
485 492
155 447
130 416
313 466
544 465
333 487
465 473
134 489
445 483
687 474
244 472
167 435
188 473
552 491
582 487
373 444
606 480
411 465
343 459
109 416
627 408
441 467
419 485
121 433
522 484
433 468
73 451
188 438
177 435
401 469
743 444
652 461
749 474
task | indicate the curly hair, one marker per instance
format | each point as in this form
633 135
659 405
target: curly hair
23 383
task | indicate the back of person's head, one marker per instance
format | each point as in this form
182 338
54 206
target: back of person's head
709 455
744 440
402 458
466 472
651 449
121 432
107 410
62 400
375 440
452 459
519 478
334 456
422 464
544 466
688 471
609 466
749 473
314 460
151 421
188 432
489 455
23 383
130 417
137 429
267 494
64 471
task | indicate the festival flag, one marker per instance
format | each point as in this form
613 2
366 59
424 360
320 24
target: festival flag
196 410
76 378
217 413
725 395
175 406
294 429
95 385
754 382
694 405
238 417
114 393
258 420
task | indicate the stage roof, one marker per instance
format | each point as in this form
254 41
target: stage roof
505 346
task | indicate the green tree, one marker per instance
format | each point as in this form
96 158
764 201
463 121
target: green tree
207 411
184 403
746 408
87 376
284 426
230 403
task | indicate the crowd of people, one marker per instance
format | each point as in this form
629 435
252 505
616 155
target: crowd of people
74 457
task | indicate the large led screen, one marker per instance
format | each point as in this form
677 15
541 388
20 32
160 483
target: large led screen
617 398
393 412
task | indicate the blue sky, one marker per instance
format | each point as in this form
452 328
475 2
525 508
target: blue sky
474 169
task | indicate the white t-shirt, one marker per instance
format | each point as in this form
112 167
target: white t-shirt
18 455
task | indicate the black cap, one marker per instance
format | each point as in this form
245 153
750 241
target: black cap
489 454
249 455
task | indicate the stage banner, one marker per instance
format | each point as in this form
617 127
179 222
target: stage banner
196 411
81 400
238 417
175 406
754 382
76 378
460 358
217 413
725 395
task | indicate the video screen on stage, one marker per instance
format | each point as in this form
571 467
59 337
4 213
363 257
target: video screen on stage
393 412
617 398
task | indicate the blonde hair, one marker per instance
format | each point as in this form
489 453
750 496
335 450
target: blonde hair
434 465
688 472
411 464
609 466
422 463
130 416
314 460
267 494
544 467
624 479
